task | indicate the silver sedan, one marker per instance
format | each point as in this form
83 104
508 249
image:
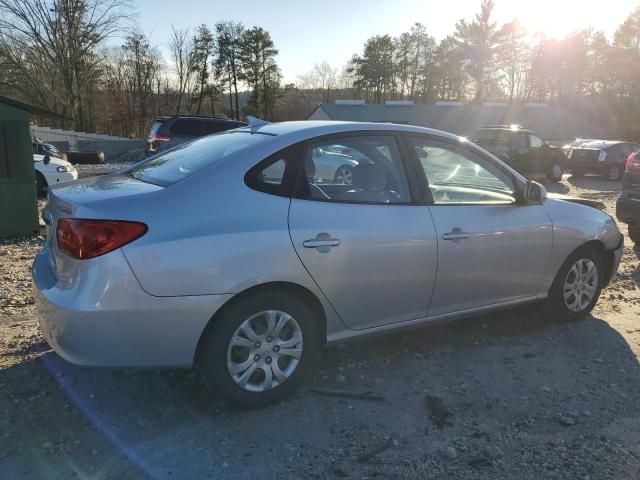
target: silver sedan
233 255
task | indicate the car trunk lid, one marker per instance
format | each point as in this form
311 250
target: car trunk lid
586 156
107 197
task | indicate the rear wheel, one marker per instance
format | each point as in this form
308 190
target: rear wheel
614 172
344 175
258 351
41 185
634 233
577 286
555 172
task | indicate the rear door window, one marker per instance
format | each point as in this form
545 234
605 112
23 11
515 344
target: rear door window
354 169
519 140
180 162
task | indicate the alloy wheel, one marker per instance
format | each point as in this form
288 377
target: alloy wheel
556 172
614 173
580 285
344 175
264 351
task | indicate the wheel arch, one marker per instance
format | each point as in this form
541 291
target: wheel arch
45 183
599 247
290 288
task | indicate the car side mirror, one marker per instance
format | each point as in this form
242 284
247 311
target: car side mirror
534 193
46 159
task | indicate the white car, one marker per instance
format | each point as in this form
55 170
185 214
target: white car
52 172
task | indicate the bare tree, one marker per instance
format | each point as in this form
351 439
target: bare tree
65 35
182 55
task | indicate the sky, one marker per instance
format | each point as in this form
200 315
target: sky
333 30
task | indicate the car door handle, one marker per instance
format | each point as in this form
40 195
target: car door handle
321 242
456 235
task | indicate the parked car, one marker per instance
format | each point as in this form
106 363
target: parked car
197 257
604 157
522 150
578 142
42 148
628 204
52 171
171 131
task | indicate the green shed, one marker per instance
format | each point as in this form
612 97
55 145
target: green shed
18 205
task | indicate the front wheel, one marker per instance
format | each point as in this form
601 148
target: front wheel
555 173
614 172
258 351
576 288
634 233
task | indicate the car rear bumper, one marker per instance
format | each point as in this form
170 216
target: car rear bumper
628 208
104 318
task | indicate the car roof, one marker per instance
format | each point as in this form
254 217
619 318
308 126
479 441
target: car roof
313 128
602 144
198 117
510 128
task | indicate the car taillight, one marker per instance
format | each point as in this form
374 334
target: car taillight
161 138
83 238
632 165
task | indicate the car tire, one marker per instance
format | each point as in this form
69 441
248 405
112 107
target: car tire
245 365
555 173
614 172
344 175
634 233
567 300
41 185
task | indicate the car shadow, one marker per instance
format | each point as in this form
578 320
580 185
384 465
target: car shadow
596 183
556 187
497 377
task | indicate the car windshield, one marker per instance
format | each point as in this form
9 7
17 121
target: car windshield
180 162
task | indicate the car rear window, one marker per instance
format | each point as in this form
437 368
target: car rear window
187 127
178 163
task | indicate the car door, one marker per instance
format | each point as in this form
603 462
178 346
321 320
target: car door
539 155
369 248
520 153
491 250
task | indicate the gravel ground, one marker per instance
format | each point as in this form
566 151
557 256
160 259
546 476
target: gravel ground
100 169
509 395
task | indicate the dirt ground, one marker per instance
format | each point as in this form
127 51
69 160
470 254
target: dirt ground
509 395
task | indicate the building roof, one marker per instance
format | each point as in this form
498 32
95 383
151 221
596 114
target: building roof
550 122
30 108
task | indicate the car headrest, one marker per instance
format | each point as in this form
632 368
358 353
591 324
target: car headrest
369 177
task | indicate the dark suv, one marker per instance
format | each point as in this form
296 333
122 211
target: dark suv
170 131
628 205
522 150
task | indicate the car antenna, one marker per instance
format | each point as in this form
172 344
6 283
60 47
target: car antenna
256 122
